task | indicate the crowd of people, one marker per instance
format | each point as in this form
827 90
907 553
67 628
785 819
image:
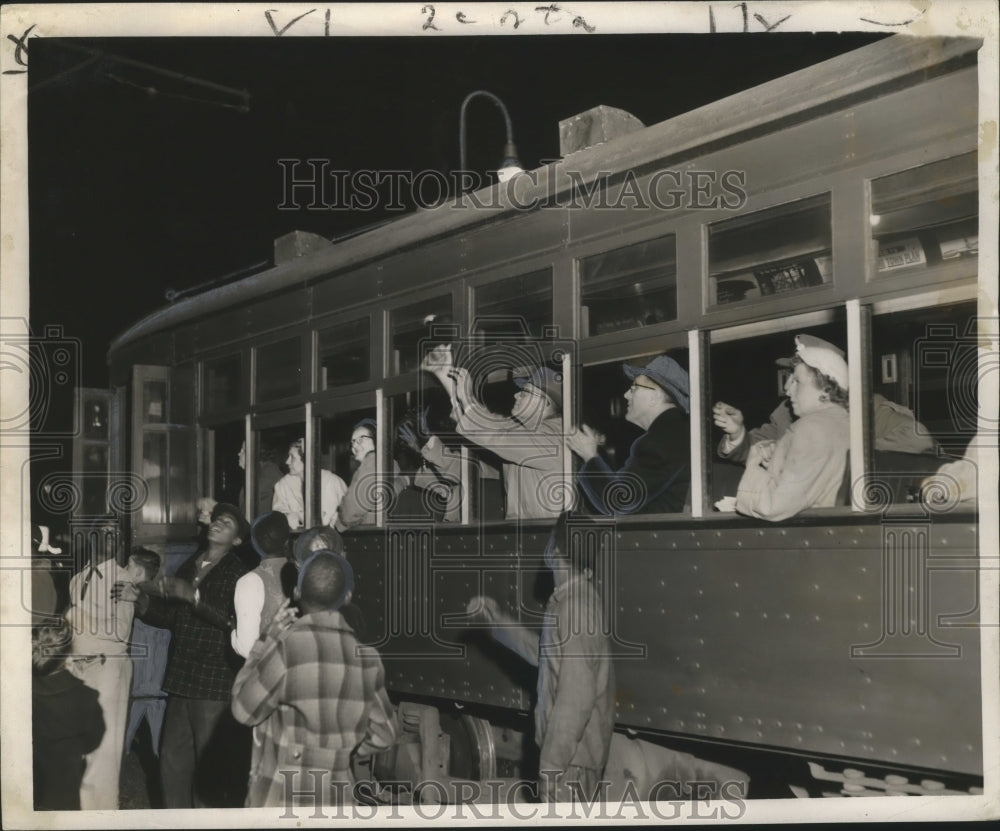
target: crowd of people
281 649
273 640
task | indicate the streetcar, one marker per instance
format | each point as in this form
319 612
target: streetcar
840 646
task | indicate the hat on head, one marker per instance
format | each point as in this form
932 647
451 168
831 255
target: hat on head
823 357
669 374
242 526
545 379
331 538
269 534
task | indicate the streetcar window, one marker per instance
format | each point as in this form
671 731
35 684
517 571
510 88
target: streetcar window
782 249
607 409
515 306
154 402
227 464
348 452
425 450
279 370
154 469
926 216
924 407
279 473
629 287
345 353
408 327
163 435
223 383
750 405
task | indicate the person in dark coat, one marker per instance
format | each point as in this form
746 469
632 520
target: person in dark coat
66 721
197 606
656 476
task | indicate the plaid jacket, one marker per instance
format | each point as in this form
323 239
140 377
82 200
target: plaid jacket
317 696
202 663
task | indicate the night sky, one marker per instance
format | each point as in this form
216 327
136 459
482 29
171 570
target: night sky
134 192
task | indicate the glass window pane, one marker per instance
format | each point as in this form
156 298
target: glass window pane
279 370
94 480
154 402
604 407
95 418
521 304
629 287
351 462
345 354
408 326
751 408
154 472
428 454
781 249
223 380
182 483
280 473
926 215
928 369
227 466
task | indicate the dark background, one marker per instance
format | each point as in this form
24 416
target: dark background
141 183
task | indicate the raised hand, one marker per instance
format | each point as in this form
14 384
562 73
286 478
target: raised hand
728 418
408 437
485 608
584 442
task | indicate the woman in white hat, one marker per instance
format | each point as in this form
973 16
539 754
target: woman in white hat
805 467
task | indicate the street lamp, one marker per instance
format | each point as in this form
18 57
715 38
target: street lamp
510 166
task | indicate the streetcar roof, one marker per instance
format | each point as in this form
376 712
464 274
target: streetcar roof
825 87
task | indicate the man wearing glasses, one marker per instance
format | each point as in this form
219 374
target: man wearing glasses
358 507
656 476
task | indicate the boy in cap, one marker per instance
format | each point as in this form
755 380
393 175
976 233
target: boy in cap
805 467
656 476
197 606
530 440
316 696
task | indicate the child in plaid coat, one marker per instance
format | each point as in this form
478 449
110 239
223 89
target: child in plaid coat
318 696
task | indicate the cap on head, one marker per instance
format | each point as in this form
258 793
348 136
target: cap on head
332 541
269 534
546 380
242 526
668 374
823 357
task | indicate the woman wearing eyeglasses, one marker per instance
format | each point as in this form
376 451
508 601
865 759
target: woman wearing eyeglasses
289 491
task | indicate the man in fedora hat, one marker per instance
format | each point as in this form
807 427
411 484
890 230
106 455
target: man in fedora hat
657 474
197 606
